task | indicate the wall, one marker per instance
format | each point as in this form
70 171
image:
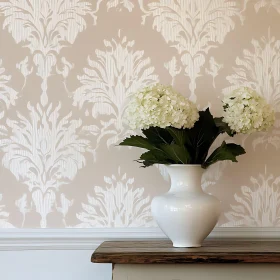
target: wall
45 265
67 69
65 253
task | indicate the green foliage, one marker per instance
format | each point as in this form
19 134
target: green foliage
201 136
154 157
224 152
138 141
157 135
178 153
185 146
223 127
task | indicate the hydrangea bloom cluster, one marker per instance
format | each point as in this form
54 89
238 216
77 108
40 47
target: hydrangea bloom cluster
160 106
245 111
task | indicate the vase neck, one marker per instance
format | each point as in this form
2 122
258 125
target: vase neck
185 177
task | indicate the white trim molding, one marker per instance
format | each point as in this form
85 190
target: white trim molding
89 239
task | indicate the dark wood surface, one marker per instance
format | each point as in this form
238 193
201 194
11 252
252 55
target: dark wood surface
162 252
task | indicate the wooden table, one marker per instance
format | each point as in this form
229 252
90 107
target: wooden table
216 260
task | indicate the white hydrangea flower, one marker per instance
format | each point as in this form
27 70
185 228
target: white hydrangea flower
160 106
245 111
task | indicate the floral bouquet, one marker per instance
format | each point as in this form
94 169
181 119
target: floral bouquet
175 132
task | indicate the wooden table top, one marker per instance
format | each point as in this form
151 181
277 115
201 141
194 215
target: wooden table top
162 252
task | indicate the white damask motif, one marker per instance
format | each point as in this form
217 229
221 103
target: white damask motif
173 68
43 152
214 68
266 139
120 4
118 204
64 208
4 216
108 83
45 27
8 95
193 28
213 174
259 204
23 208
268 4
259 69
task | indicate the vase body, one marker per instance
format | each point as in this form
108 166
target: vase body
186 214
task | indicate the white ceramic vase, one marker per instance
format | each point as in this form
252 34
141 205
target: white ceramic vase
186 214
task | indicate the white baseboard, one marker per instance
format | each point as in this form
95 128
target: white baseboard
89 239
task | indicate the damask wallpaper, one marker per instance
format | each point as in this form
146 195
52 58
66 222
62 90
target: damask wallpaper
67 70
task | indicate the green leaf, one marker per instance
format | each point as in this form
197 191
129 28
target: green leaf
223 127
178 154
137 141
179 135
224 152
201 137
157 135
154 157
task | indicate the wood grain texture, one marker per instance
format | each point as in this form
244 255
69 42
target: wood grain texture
162 252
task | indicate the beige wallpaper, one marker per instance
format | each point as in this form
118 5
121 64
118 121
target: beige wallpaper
67 68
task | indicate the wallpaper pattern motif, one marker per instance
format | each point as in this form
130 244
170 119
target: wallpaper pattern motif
67 70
